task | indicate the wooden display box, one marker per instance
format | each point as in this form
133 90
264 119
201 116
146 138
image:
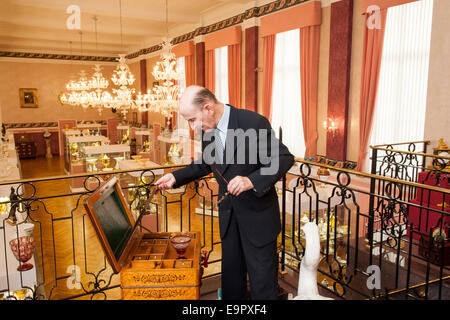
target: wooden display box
147 263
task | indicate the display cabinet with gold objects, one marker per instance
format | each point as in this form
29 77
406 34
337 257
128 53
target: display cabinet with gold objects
104 157
73 157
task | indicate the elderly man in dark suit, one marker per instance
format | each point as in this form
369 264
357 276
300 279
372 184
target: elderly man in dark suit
240 148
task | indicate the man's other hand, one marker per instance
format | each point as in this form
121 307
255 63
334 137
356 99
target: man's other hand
165 182
239 184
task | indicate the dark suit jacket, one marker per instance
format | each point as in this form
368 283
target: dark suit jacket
257 211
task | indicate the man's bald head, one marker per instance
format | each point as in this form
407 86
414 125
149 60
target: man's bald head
196 96
200 107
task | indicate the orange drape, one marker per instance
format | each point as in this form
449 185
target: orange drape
309 69
372 52
268 61
234 75
210 71
184 49
307 14
222 38
190 70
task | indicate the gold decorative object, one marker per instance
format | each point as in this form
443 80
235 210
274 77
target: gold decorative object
442 145
174 154
136 157
443 205
125 137
3 205
323 174
439 235
440 164
105 161
145 146
74 148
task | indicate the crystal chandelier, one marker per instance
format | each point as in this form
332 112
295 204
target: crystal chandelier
122 77
123 98
164 96
79 91
78 94
98 97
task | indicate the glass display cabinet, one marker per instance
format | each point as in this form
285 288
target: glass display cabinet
104 157
143 143
123 134
73 159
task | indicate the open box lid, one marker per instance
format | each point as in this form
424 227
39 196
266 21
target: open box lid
113 222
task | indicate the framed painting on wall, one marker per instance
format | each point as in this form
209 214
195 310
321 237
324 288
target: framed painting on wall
28 98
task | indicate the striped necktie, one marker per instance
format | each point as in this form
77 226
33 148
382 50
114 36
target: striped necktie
219 147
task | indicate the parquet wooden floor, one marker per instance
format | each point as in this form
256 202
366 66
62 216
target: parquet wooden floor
65 237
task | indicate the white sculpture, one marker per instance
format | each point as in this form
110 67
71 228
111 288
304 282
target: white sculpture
307 279
48 150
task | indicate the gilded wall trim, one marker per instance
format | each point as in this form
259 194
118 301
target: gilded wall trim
32 125
34 55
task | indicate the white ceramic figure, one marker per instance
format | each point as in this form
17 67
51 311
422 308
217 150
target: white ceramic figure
307 279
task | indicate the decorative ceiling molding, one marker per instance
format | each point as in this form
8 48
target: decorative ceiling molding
250 13
34 55
254 12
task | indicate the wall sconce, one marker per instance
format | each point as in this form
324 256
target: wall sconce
331 126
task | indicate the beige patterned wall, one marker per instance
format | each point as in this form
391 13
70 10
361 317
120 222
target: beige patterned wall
437 121
49 79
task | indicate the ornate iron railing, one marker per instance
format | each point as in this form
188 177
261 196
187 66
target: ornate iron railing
380 231
360 260
401 161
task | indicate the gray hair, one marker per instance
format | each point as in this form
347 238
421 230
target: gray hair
202 96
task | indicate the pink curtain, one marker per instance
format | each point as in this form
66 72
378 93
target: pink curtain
372 51
234 75
210 70
309 69
268 61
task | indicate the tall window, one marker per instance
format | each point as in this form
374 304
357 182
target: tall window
221 73
400 105
286 90
182 124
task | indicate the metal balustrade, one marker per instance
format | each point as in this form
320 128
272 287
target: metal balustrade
370 248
